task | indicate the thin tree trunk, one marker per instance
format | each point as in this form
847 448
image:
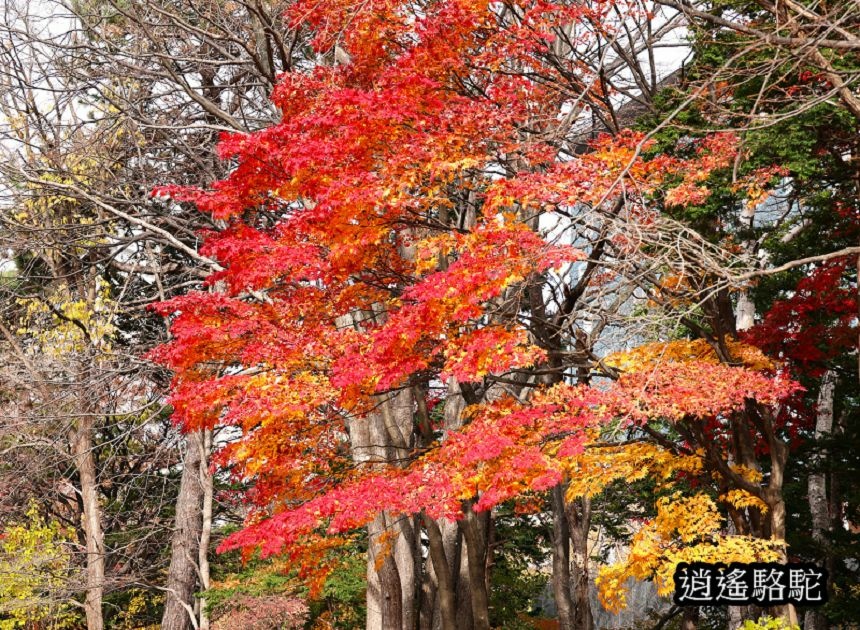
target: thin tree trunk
561 560
579 522
183 572
363 450
445 591
776 505
745 315
398 419
419 568
452 533
452 537
818 504
82 448
206 528
382 568
429 615
373 592
816 485
392 594
476 551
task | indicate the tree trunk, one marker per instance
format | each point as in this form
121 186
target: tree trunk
384 436
579 522
473 527
819 506
373 594
207 482
452 533
776 505
445 587
398 419
183 572
383 573
458 563
363 450
561 560
745 314
82 449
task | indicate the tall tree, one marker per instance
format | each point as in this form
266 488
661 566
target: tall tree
362 270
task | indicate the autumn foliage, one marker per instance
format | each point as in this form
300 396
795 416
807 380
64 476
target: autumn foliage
387 241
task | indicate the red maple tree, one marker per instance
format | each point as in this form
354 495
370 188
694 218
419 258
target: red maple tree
391 327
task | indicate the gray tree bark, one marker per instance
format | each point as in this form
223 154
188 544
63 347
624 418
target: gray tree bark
183 572
561 584
207 482
445 589
819 506
383 573
579 521
82 450
384 437
473 526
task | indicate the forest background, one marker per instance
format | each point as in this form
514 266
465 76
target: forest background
427 315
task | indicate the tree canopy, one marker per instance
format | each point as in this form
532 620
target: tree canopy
502 296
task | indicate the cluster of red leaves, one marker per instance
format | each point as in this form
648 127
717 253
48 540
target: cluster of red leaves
815 324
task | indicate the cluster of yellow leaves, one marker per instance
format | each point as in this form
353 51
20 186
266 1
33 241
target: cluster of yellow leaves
138 604
58 321
35 565
598 466
750 474
769 623
687 529
741 499
47 205
651 354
